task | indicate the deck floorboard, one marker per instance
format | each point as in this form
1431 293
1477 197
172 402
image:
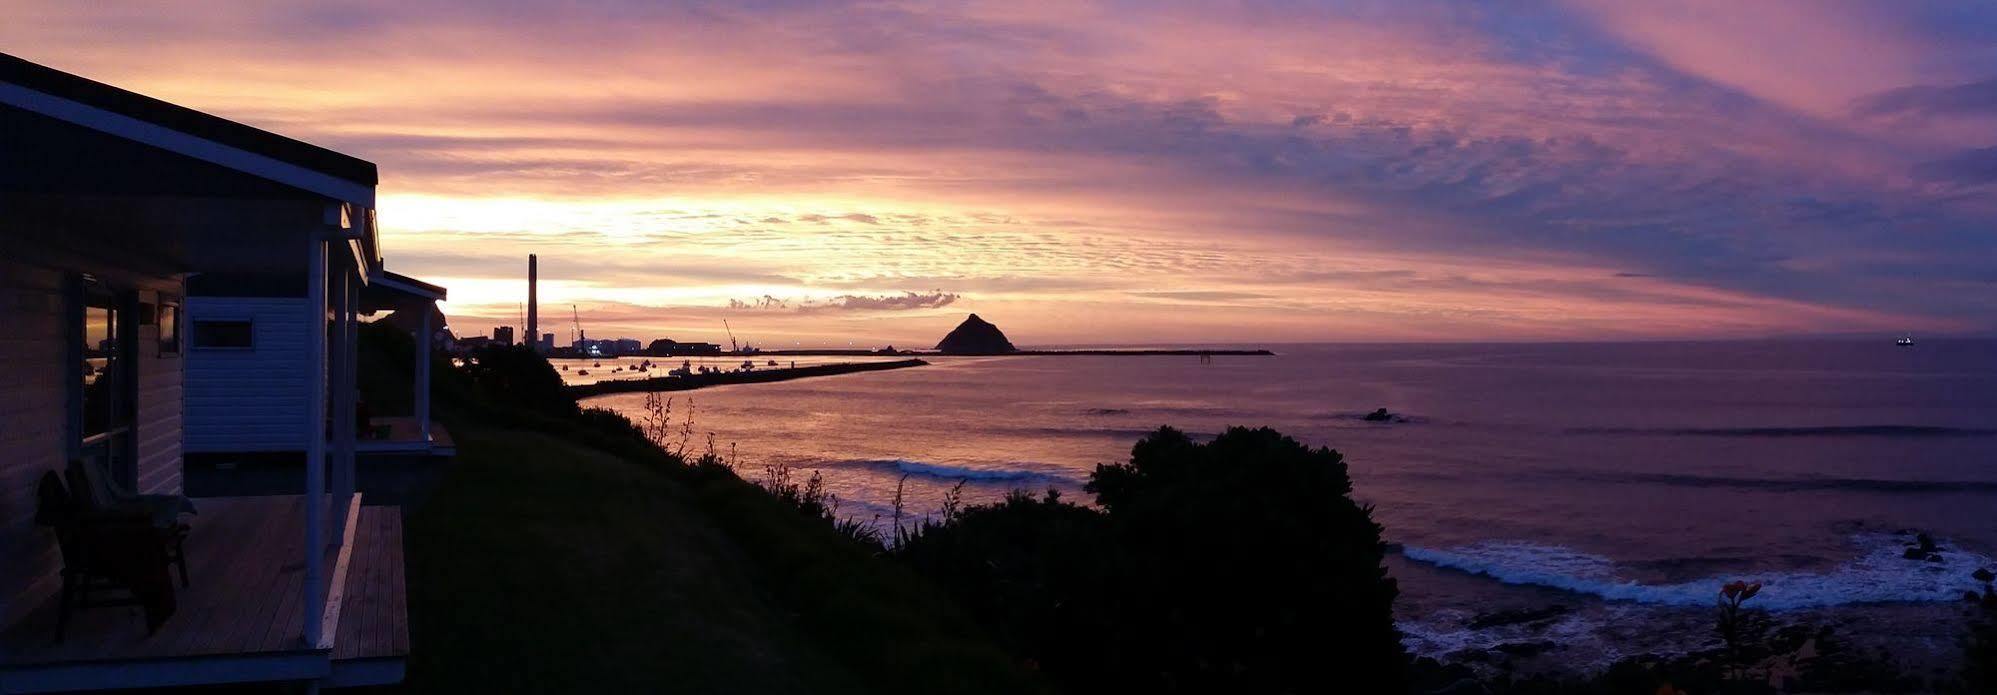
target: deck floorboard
374 619
246 596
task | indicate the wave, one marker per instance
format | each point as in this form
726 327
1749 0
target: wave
1816 431
965 472
1879 574
1795 484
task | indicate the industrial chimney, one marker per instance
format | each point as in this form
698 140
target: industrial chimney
533 301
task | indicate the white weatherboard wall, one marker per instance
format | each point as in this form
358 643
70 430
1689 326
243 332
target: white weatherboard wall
248 399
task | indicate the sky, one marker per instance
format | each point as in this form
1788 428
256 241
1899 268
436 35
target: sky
826 173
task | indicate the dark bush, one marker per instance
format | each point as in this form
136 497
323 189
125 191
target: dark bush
1240 565
516 376
1034 571
1979 658
386 373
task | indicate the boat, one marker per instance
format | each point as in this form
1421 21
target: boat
582 372
773 363
1905 341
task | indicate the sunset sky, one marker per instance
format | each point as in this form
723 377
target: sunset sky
819 173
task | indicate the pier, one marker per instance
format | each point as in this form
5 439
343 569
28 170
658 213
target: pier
758 376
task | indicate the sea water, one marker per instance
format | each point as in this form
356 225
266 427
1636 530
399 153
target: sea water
1622 482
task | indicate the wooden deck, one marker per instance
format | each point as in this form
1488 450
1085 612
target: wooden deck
242 618
374 620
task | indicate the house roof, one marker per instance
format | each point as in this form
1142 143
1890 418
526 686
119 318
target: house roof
408 285
103 97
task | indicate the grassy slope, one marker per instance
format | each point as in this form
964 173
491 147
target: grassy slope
545 565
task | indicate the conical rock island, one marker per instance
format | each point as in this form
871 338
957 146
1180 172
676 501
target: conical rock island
975 336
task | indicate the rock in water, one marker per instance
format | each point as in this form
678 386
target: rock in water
975 337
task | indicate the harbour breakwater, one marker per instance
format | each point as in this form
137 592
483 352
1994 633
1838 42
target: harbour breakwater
759 376
1016 353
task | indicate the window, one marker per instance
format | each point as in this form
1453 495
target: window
226 335
103 364
104 394
169 328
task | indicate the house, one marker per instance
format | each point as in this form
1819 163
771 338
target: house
109 202
246 369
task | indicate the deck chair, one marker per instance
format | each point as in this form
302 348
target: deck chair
97 497
93 574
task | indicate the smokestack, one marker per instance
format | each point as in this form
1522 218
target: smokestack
533 301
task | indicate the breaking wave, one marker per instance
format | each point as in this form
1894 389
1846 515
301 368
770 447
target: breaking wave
966 472
1879 574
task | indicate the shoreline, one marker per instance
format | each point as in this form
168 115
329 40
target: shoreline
699 381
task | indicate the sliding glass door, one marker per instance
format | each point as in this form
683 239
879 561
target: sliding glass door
102 332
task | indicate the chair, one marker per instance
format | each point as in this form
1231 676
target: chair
96 497
87 570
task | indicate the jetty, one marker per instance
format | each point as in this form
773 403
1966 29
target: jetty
688 382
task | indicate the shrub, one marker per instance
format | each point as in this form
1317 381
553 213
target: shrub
1240 565
1034 571
1979 662
516 376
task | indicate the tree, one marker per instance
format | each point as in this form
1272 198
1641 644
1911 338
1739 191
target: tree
516 375
1241 565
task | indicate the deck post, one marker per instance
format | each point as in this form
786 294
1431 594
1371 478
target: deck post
422 386
343 385
315 439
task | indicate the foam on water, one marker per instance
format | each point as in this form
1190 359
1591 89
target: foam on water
964 471
1878 574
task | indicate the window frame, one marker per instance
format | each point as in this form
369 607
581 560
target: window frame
250 332
170 322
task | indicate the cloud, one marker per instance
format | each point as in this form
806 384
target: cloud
1972 167
1973 98
906 301
1204 295
1416 169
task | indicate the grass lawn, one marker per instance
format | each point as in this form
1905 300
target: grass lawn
541 564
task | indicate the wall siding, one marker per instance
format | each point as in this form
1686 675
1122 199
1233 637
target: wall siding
32 399
159 418
248 400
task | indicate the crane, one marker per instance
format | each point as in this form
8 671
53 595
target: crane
575 329
732 347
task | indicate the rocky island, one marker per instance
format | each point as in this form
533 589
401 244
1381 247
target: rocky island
976 336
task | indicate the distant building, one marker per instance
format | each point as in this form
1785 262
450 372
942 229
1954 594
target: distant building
608 348
547 343
669 347
502 335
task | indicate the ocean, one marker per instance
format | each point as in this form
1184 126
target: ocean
1613 486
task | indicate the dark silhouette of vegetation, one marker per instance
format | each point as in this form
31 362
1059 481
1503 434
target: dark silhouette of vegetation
1979 657
650 562
1240 565
1738 627
517 377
